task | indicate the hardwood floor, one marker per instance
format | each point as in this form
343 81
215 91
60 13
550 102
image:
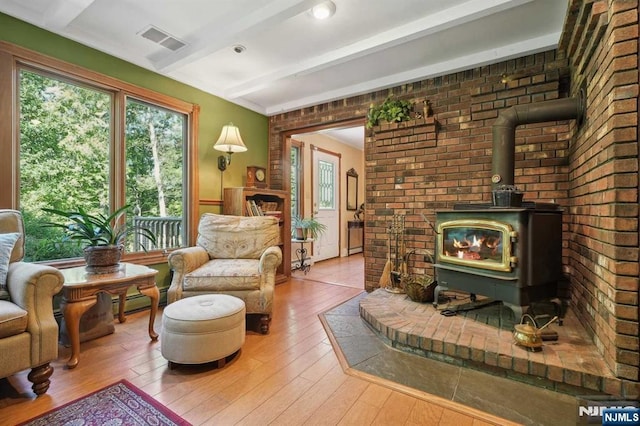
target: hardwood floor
292 376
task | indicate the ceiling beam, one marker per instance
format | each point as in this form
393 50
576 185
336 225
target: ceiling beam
474 60
427 25
214 37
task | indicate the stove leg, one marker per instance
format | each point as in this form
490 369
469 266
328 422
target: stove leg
436 293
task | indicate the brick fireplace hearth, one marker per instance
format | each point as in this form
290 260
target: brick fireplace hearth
572 364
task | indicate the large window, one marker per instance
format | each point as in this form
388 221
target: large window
94 143
155 139
65 133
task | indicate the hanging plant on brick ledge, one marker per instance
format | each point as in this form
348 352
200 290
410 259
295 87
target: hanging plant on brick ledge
391 111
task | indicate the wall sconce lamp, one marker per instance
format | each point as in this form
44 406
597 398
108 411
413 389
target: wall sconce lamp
229 142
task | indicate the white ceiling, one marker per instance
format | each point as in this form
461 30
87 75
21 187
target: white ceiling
291 60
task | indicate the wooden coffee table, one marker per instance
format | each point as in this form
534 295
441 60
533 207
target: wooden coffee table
80 292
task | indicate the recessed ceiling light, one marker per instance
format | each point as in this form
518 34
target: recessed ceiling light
323 10
238 48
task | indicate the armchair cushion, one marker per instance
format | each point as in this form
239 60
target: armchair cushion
7 241
13 319
224 275
235 237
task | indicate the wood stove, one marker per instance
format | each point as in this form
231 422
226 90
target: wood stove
509 254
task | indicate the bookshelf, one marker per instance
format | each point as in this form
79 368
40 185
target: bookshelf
243 201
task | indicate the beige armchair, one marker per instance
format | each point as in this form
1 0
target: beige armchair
233 255
28 329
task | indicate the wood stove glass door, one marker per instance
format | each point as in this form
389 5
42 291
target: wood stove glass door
478 243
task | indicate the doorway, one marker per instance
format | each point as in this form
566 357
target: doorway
347 142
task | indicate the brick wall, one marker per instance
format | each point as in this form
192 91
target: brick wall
601 40
592 172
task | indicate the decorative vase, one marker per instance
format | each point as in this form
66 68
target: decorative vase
103 259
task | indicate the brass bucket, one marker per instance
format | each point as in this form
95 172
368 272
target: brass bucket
528 335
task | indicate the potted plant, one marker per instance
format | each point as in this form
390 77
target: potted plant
304 228
391 110
102 235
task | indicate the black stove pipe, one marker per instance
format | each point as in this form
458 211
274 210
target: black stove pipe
504 130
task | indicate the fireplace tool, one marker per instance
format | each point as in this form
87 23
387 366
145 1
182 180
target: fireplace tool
385 278
399 265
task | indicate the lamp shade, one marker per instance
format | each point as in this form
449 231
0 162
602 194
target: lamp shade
230 140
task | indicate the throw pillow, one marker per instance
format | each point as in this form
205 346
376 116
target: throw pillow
7 241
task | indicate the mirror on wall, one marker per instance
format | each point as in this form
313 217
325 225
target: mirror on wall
352 189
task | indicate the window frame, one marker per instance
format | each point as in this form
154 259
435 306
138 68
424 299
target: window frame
14 58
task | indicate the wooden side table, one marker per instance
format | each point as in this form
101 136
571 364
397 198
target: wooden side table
80 292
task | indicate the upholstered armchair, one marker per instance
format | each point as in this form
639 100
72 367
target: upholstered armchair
233 255
28 329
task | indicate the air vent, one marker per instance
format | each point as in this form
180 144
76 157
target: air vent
156 35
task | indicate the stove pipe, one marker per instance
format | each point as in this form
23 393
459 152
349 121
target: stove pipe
504 130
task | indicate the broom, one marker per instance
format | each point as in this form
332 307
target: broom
385 278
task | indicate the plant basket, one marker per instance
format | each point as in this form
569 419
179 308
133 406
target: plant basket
103 259
421 289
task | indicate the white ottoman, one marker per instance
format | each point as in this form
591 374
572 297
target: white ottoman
201 329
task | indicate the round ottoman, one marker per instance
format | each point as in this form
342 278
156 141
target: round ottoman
201 329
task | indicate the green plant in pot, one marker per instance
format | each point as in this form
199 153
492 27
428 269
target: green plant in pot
391 110
102 235
305 228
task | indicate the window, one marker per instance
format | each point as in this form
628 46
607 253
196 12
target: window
154 175
296 179
93 142
326 185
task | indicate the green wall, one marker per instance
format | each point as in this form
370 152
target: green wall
214 111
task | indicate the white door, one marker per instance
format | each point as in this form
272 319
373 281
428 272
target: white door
326 203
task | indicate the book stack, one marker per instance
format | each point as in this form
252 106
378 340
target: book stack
263 208
253 209
270 208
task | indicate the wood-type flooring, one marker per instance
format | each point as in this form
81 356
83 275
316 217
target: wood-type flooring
292 376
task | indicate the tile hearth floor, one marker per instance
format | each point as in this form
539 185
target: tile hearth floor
362 350
570 365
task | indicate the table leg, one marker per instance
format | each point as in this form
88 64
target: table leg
154 295
122 298
72 312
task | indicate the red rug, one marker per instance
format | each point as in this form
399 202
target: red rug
120 403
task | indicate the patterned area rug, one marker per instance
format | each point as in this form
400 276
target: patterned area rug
118 404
